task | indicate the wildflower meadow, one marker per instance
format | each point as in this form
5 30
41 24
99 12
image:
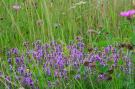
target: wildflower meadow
67 44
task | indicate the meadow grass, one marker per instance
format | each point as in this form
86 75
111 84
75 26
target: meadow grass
97 21
63 20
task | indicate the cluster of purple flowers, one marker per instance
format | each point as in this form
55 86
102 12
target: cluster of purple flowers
16 64
59 61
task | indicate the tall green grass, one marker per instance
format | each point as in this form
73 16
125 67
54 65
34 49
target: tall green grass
63 20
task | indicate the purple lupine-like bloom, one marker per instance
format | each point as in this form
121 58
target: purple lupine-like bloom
21 70
14 51
75 53
10 67
78 38
38 54
22 59
28 74
7 78
26 45
127 60
104 76
116 57
48 71
103 63
98 58
60 62
44 66
1 74
92 58
81 46
128 13
17 59
49 84
8 54
56 73
65 73
104 56
28 81
78 76
107 49
9 60
101 76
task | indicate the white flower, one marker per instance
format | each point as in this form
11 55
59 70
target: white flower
16 7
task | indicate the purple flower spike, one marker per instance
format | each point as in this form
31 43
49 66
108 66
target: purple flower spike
98 57
7 78
101 76
56 73
14 51
38 54
1 74
78 76
9 60
17 59
21 70
48 71
28 81
49 84
107 49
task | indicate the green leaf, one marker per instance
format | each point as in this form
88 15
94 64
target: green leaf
82 70
120 62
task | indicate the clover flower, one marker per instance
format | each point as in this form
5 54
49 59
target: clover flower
128 14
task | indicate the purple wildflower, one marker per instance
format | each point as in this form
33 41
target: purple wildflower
56 73
116 57
7 78
1 74
14 51
17 59
38 54
101 76
49 84
128 13
78 76
28 81
48 71
11 68
21 70
8 54
98 58
9 60
107 49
